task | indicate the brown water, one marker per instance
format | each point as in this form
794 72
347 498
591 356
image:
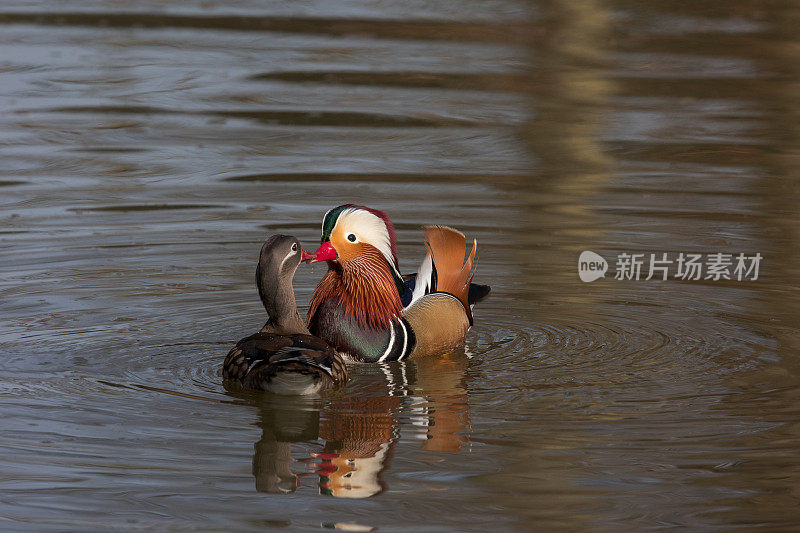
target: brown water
147 148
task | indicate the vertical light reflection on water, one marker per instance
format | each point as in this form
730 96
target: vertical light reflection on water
569 90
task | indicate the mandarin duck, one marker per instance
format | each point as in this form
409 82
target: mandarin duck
368 311
283 357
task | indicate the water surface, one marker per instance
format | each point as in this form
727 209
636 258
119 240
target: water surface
146 150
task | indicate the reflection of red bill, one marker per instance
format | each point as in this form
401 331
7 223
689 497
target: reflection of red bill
325 472
326 467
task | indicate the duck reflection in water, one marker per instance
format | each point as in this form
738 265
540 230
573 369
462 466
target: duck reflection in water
282 425
360 426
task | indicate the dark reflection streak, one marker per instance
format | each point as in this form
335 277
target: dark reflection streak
494 81
405 29
699 88
376 176
155 207
177 393
282 118
108 150
135 386
683 212
154 244
633 190
706 152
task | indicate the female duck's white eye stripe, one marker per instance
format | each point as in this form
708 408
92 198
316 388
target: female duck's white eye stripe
290 254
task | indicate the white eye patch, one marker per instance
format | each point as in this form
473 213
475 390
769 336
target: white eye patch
367 228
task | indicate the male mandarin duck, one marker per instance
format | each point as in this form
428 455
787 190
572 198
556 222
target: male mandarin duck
283 357
368 311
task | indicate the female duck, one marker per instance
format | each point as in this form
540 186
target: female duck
283 357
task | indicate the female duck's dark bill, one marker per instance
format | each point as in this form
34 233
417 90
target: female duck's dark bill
306 256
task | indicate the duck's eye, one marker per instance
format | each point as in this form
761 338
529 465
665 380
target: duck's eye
351 237
294 247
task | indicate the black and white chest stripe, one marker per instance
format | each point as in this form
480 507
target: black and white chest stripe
402 342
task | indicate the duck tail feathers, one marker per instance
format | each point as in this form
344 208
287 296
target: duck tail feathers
447 248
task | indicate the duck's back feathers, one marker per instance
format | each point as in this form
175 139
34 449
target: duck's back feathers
284 364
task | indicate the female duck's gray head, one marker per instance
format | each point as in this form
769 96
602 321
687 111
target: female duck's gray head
279 259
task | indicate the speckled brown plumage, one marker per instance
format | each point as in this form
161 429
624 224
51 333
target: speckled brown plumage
257 359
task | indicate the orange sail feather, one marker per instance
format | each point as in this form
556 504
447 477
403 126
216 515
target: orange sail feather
447 248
